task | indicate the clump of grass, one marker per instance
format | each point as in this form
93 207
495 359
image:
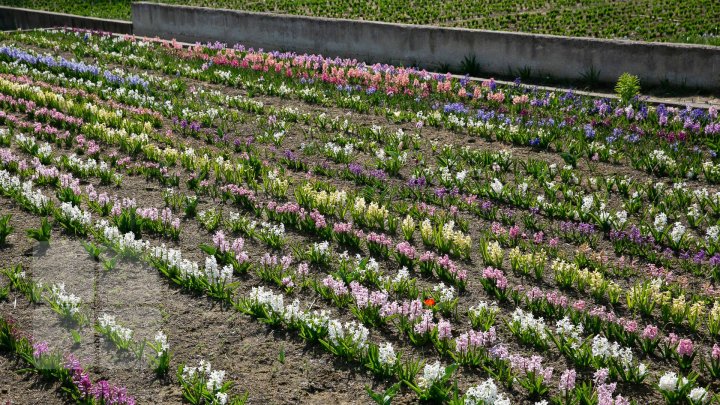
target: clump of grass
5 228
41 234
590 77
525 73
470 66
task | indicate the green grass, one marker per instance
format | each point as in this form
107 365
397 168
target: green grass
692 21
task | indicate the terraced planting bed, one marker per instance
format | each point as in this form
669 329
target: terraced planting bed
693 21
215 224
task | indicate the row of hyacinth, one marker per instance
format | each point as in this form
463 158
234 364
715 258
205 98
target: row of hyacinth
692 114
663 114
64 368
71 66
524 254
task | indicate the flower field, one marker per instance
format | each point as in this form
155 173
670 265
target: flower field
215 224
693 21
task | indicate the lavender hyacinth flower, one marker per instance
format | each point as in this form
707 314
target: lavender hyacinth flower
355 168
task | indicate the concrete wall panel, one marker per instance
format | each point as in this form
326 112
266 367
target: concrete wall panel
12 18
431 47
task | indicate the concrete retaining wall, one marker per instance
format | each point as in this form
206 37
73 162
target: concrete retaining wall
431 47
12 18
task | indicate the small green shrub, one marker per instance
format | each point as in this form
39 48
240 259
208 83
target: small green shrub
627 87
